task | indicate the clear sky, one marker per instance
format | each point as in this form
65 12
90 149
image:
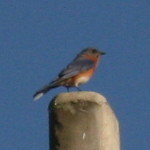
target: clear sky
39 38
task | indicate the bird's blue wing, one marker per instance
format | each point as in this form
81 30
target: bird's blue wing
80 64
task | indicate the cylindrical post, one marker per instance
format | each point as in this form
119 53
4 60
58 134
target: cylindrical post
82 121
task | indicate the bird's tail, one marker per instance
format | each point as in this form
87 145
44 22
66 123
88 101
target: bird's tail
42 92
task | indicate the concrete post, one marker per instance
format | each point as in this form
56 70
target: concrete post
82 121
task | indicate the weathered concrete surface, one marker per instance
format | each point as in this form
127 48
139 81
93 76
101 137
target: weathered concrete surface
82 121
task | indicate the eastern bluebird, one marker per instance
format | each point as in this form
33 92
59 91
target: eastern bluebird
78 72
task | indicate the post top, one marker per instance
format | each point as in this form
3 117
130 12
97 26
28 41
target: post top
87 96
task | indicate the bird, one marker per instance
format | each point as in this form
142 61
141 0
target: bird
78 72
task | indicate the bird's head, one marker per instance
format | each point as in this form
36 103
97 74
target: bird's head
92 52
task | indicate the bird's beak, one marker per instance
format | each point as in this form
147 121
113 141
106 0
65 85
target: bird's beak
103 53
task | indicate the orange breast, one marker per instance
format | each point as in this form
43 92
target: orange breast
82 77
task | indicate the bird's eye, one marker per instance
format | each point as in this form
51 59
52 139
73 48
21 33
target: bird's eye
94 51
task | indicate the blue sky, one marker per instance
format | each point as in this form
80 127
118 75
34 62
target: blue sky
39 38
